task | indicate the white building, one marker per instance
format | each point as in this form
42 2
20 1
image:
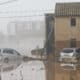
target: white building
23 34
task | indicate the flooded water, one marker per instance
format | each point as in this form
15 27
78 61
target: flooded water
33 70
26 71
23 36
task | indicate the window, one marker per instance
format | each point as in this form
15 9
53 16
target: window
73 22
78 50
16 52
0 50
10 51
67 50
73 43
7 51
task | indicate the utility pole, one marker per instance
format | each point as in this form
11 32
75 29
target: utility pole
50 67
50 64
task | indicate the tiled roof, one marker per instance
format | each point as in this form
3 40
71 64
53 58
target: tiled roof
67 9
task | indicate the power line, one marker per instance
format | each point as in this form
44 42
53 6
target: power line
28 11
30 16
23 16
9 1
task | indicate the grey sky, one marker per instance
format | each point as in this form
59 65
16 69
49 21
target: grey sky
27 7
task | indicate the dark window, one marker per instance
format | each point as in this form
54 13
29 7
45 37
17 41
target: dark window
73 22
67 50
8 51
78 50
16 52
0 50
73 42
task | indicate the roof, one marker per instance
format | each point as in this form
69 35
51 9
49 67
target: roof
67 9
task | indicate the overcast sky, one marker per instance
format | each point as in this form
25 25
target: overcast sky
26 7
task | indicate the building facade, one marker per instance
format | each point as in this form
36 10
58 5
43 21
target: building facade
67 26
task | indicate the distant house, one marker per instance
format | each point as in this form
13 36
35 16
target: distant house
30 28
67 25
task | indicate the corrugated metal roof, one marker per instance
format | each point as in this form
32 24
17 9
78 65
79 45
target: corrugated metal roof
67 9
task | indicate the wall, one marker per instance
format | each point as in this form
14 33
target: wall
64 32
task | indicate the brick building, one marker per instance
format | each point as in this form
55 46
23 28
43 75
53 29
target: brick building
67 25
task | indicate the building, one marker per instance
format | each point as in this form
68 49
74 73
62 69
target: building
34 28
67 25
27 35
